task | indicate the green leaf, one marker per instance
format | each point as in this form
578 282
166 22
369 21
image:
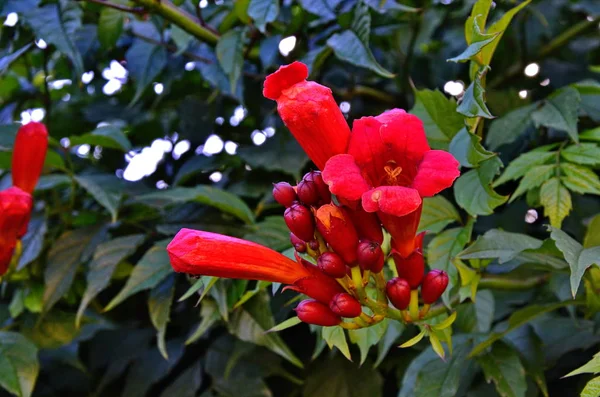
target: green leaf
584 154
348 47
473 191
364 338
263 12
33 241
210 315
535 177
592 235
211 196
476 44
7 60
592 135
556 200
560 111
592 388
438 212
473 103
503 367
580 179
48 182
159 307
277 154
56 329
19 365
57 24
393 332
591 367
519 166
383 7
181 38
272 232
145 61
186 384
111 137
361 22
579 258
335 336
439 116
229 52
110 27
509 127
109 199
479 14
147 273
290 322
204 282
499 244
63 259
467 149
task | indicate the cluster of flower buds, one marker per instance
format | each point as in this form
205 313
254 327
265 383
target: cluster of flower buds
346 245
16 202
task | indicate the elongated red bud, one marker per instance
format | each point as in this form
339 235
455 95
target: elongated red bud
29 153
345 305
434 285
322 187
313 312
398 291
338 231
307 190
300 221
15 211
284 194
298 244
370 256
412 269
367 224
332 265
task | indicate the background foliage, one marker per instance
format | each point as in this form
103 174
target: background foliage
158 122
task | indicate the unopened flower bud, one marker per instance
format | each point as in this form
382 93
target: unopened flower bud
338 231
314 245
322 187
29 153
434 285
284 194
313 312
332 265
307 190
398 291
300 221
345 305
370 256
298 244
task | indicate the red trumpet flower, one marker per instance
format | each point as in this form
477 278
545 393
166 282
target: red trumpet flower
15 210
209 254
29 153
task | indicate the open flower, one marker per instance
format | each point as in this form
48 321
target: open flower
15 210
209 254
389 167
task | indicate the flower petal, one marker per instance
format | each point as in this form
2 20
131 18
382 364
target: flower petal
202 253
368 150
344 178
392 200
436 172
285 77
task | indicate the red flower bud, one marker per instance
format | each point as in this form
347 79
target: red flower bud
367 224
314 245
284 194
434 285
322 188
298 244
300 221
345 305
307 190
29 153
15 210
411 267
313 312
338 231
398 291
370 256
332 265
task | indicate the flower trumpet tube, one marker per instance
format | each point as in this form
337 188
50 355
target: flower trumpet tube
209 254
15 210
29 153
309 111
338 231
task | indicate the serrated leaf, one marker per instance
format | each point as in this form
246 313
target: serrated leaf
560 111
145 61
335 336
580 179
591 367
106 258
473 103
361 22
229 52
578 258
533 178
503 367
364 338
19 365
592 235
220 199
477 42
263 12
110 137
556 200
106 196
592 135
592 388
499 244
473 190
438 212
110 27
439 116
466 148
509 127
519 166
584 154
348 48
147 273
159 307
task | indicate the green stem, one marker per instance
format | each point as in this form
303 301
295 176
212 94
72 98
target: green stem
133 10
358 284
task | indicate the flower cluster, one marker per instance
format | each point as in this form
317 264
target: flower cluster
16 202
361 211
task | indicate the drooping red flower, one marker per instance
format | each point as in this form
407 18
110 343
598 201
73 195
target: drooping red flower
15 210
389 167
309 111
209 254
29 153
